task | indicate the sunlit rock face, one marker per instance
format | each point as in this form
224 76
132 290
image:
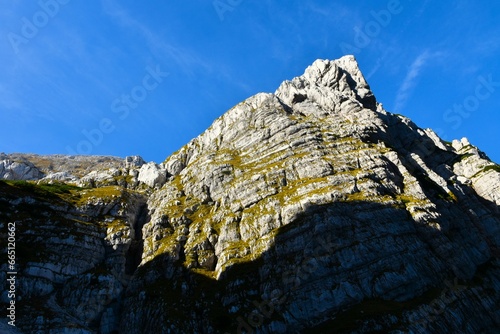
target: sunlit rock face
309 210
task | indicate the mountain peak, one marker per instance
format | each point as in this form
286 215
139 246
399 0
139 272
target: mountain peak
327 82
321 69
313 188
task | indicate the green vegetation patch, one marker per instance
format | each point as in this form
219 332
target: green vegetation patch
44 192
494 167
429 185
105 193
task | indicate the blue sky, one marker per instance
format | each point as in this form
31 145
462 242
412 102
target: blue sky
124 78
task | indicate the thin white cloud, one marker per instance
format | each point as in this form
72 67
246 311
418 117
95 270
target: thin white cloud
336 10
9 100
184 58
377 66
410 80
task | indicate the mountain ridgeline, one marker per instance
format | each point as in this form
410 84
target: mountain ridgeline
310 210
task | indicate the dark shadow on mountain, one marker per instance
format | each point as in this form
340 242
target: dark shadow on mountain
411 143
134 254
327 250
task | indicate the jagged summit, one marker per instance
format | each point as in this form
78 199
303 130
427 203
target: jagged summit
327 81
310 209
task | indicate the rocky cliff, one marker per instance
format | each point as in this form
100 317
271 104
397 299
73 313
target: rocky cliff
310 210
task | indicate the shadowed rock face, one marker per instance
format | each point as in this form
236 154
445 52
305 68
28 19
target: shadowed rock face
311 209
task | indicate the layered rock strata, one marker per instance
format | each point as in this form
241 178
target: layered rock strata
312 209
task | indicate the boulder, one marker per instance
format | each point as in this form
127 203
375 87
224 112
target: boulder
12 170
152 175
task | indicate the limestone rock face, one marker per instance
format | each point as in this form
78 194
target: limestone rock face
12 170
134 161
152 175
60 176
477 170
74 254
84 171
312 209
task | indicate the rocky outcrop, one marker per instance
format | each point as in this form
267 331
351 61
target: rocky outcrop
75 251
474 168
60 177
134 161
312 209
152 175
12 170
78 165
83 171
